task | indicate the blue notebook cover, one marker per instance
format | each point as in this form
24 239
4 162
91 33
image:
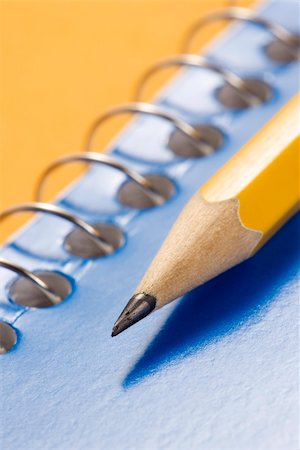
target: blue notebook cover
217 369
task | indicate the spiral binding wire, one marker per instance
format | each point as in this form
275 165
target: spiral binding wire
284 48
150 192
190 60
44 289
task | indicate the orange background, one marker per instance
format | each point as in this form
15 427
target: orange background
63 63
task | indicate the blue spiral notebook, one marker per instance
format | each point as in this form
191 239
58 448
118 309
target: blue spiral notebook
225 377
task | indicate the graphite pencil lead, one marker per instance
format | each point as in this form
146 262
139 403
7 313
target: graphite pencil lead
138 307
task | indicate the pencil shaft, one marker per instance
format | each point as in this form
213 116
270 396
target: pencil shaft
228 219
207 239
264 174
231 216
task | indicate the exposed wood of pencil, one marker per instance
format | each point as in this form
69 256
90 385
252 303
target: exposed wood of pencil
233 214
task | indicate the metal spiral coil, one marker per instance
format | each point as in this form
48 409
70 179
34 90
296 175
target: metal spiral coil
285 48
248 95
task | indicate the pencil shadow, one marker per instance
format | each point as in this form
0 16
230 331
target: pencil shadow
222 305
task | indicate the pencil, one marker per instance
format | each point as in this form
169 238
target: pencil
228 220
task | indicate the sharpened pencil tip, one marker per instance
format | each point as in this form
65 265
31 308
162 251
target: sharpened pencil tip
114 331
138 307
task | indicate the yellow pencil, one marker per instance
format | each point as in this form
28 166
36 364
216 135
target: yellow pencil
228 219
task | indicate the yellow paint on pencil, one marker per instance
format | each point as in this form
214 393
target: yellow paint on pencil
268 192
